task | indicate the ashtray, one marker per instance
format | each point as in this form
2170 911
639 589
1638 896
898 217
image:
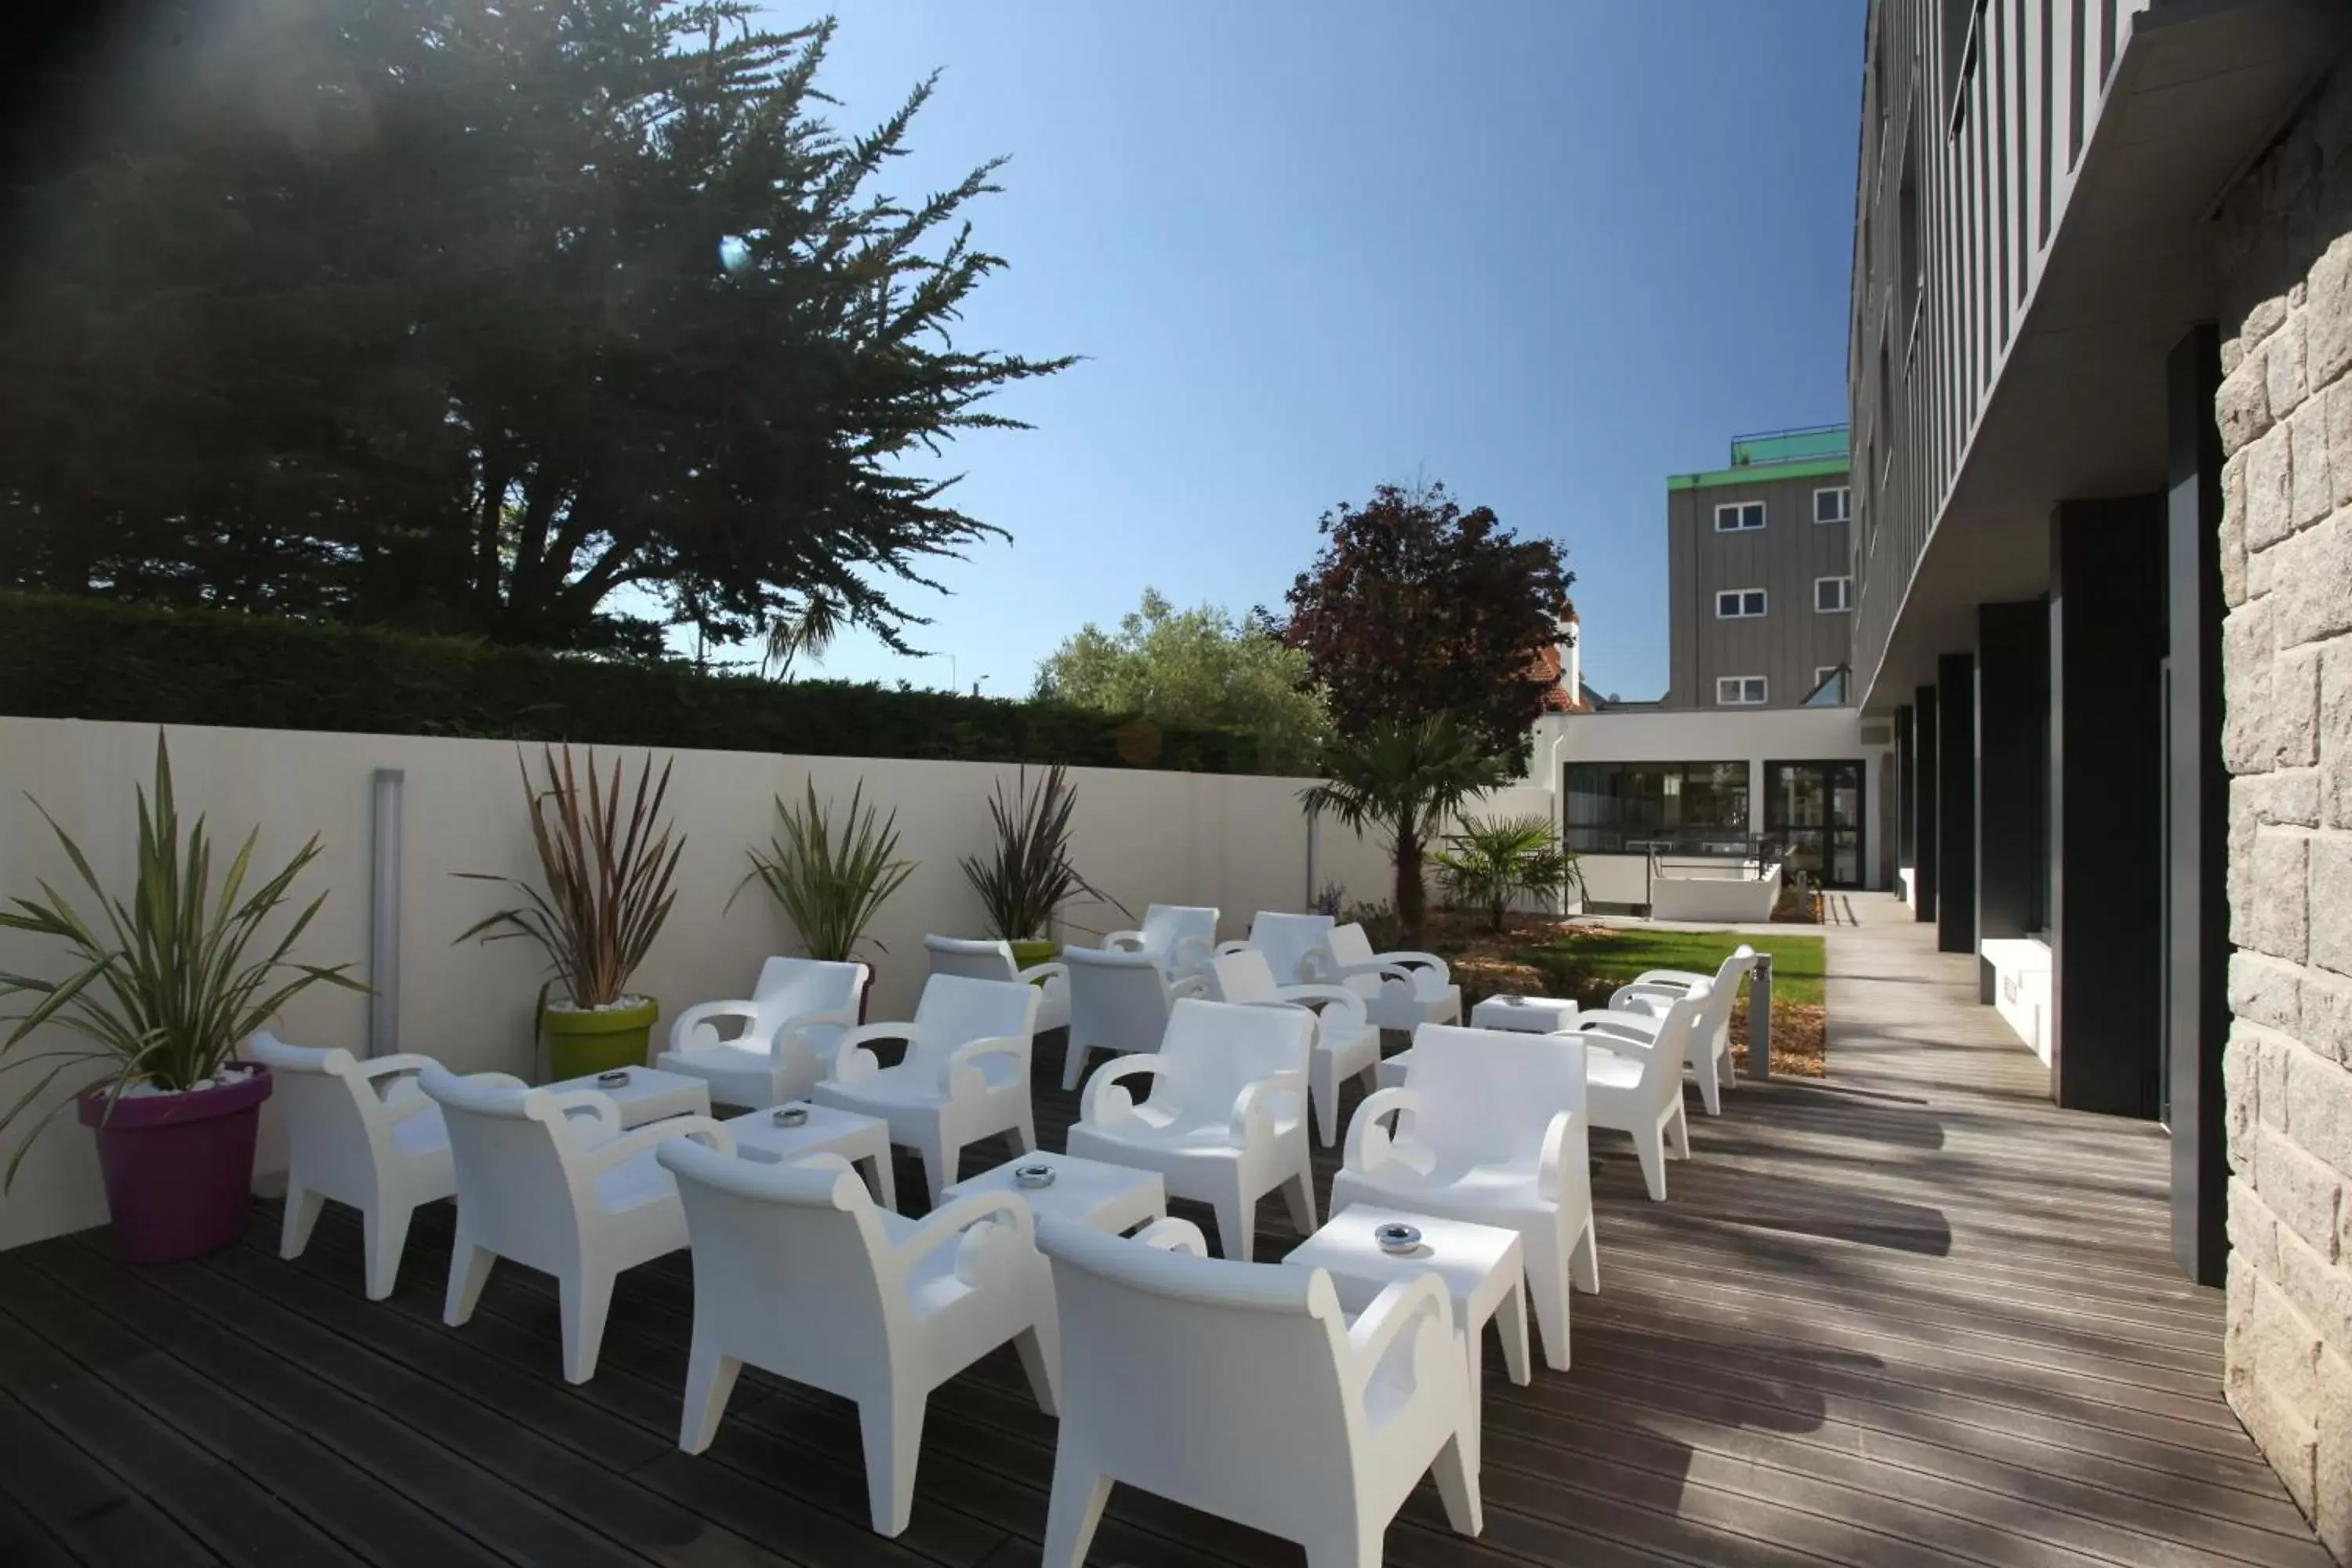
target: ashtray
1034 1175
1396 1237
790 1116
612 1079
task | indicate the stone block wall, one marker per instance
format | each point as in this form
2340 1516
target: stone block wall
2285 413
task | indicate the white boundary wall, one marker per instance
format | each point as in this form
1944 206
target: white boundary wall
1238 842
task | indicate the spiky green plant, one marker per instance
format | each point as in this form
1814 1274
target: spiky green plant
163 990
1404 779
608 876
1029 876
830 881
1493 862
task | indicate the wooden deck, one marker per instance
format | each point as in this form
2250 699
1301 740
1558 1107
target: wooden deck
1911 1316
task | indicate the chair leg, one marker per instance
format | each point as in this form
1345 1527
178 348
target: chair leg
1236 1228
469 1268
1025 1132
386 1230
584 1297
1074 1062
939 1165
1650 1148
1041 1359
1677 1130
1547 1274
1323 1088
1584 1259
1075 1510
1358 1543
1457 1486
1299 1196
1710 1087
710 1379
892 1427
302 1206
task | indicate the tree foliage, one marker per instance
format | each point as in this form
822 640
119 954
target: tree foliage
1416 608
1404 778
1200 667
475 318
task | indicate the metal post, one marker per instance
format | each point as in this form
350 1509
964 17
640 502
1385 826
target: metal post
1759 1018
383 920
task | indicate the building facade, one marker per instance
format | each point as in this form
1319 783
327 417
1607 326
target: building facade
2100 336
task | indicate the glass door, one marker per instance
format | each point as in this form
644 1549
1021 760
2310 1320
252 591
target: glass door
1815 810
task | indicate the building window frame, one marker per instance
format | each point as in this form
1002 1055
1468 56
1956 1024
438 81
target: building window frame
1744 603
1844 508
1822 672
1739 513
1745 691
1845 595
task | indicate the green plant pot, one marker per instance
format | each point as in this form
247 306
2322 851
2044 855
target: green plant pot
579 1043
1034 951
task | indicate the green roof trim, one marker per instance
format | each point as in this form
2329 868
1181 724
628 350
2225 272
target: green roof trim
1760 473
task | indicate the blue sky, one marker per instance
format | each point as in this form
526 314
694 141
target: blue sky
1548 252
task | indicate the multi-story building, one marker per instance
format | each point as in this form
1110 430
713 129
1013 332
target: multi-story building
2101 379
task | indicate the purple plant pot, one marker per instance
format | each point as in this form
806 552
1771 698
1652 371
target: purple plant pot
178 1167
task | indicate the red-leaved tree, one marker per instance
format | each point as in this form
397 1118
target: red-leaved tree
1416 608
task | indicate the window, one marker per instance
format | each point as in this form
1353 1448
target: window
1832 595
1739 604
1739 690
1835 504
1912 262
1620 807
1821 672
1737 516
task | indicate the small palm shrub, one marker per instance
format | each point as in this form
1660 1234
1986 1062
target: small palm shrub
1491 863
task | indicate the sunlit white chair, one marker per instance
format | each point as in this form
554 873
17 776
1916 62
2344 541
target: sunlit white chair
1226 1121
965 1075
1179 937
1635 1085
786 1036
1658 989
1247 1393
981 960
1118 1002
550 1180
799 1272
1638 1010
362 1133
1346 1045
1490 1128
1401 990
1292 943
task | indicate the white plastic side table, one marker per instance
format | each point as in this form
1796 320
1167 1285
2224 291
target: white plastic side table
650 1095
1108 1197
1527 1014
862 1141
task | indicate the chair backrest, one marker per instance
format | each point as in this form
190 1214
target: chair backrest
786 1255
1212 1383
1714 1007
513 1148
1492 1093
1179 935
955 1010
1243 976
335 1124
1216 1049
1287 940
789 987
1117 999
1349 945
1661 1073
977 959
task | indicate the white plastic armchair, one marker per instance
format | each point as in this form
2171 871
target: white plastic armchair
1179 938
1635 1084
362 1133
1680 981
1293 944
785 1038
993 961
964 1076
1346 1045
1401 990
1226 1121
1638 1011
1490 1127
799 1272
1118 1002
549 1180
1247 1393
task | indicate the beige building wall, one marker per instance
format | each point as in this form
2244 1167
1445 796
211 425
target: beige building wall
2285 414
1239 843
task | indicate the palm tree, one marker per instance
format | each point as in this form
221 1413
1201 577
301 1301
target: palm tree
1405 779
809 629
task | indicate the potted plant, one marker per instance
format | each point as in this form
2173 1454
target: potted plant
1028 879
163 992
608 872
1491 862
831 882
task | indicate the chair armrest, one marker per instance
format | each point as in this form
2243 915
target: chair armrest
1123 942
699 1017
852 1061
1621 999
1047 972
388 1067
942 1226
1106 1103
1317 997
1367 1142
1411 959
1680 979
1400 1304
1641 1025
1253 1120
1190 985
1625 1043
971 1051
1173 1234
601 1108
1224 949
705 1129
1190 953
793 1028
1555 1148
1379 969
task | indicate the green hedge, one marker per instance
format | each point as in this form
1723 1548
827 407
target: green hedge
65 657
